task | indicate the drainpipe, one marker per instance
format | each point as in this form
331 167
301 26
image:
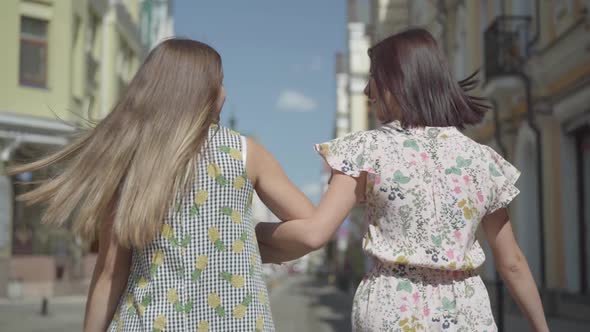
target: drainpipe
498 128
503 151
531 121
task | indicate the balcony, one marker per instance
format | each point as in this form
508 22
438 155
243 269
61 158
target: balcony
505 46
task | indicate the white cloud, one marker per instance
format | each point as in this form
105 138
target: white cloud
291 100
312 190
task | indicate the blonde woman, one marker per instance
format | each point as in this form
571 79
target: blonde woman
168 192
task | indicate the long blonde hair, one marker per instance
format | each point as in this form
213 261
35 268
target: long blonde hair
142 154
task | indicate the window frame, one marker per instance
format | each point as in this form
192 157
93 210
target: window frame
40 42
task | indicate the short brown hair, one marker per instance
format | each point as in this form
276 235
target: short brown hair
411 67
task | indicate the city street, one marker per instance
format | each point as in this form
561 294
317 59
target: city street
299 303
488 102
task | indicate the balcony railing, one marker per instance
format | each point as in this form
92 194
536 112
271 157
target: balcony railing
505 44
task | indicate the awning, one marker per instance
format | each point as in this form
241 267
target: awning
20 129
34 125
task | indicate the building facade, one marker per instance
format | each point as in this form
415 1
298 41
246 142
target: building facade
63 62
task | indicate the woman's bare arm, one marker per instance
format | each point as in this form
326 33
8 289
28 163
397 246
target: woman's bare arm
108 281
513 268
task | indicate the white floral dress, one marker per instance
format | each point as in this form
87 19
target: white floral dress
427 191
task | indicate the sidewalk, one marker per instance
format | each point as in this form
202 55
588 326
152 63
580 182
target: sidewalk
64 314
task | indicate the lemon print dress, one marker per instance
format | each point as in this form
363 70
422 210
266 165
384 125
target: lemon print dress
203 272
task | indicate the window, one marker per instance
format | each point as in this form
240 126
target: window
583 138
33 52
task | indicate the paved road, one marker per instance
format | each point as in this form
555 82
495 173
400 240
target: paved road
304 304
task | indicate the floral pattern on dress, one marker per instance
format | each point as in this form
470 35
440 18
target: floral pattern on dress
427 191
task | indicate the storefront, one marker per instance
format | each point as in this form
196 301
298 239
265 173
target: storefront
29 254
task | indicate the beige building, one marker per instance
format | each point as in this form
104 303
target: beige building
359 41
63 61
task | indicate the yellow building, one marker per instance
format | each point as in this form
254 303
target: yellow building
61 61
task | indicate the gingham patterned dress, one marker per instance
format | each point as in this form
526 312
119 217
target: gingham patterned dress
203 272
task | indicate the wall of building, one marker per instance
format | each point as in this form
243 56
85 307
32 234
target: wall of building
93 48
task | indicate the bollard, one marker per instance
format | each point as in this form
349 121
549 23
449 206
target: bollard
44 305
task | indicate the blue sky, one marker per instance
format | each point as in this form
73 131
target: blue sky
278 59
